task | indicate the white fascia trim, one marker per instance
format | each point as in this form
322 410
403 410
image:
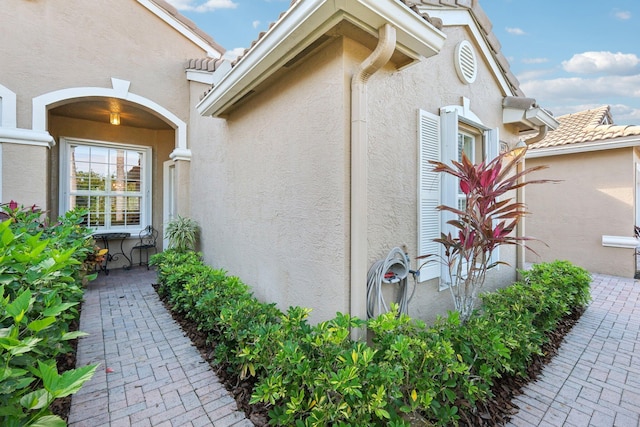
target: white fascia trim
532 117
540 117
620 242
181 28
181 154
584 147
305 22
461 17
26 137
200 76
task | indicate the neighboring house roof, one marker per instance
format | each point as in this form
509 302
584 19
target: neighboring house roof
588 130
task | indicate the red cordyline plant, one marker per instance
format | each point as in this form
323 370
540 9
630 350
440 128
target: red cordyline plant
488 221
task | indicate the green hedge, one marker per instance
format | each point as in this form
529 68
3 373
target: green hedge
314 375
41 267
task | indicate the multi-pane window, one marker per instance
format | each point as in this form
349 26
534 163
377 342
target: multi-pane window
109 181
466 145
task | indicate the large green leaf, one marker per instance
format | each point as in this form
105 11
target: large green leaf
49 421
73 335
20 305
37 399
25 346
40 324
71 381
57 309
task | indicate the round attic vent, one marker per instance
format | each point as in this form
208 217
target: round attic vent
466 63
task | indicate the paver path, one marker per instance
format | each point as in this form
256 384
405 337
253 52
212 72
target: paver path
158 378
595 378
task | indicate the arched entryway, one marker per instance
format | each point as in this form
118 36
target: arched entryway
110 154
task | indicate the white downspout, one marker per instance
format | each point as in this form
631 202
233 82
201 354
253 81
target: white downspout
359 159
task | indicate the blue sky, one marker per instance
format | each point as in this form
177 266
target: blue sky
570 55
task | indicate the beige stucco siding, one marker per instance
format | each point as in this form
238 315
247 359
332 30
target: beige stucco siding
269 186
394 100
594 198
24 174
84 44
275 201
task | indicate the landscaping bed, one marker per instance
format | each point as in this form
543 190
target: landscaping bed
42 266
284 371
494 412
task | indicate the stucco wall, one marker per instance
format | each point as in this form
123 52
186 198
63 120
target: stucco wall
48 46
269 186
594 198
394 100
24 182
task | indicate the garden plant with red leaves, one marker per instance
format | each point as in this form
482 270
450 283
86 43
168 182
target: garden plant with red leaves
488 220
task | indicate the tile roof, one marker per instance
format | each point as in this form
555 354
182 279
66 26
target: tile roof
188 23
472 5
584 127
204 64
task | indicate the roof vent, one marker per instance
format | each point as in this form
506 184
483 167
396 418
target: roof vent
466 63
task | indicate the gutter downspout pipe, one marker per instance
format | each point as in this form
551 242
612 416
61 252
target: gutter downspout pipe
359 159
521 252
542 132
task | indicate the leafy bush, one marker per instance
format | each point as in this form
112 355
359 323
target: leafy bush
40 267
316 376
182 233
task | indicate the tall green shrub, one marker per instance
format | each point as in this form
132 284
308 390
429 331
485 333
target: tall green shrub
40 291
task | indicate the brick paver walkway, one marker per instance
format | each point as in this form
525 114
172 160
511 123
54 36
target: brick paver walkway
158 378
595 378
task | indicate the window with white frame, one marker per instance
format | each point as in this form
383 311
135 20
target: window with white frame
111 181
444 138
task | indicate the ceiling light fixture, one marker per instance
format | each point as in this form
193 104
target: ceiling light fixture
114 118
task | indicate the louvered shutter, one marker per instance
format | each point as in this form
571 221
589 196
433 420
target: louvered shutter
429 193
449 196
491 150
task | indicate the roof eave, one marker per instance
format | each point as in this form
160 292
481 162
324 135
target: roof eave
304 23
530 118
584 147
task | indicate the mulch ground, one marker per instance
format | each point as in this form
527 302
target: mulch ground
495 412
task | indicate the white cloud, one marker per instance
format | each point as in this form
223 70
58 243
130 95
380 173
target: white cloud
255 24
622 15
233 53
202 6
515 31
584 89
535 60
603 62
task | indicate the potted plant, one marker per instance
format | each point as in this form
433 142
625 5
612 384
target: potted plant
182 233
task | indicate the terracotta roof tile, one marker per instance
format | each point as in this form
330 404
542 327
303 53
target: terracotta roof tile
585 126
204 64
188 23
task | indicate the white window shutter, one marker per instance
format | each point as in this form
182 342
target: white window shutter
492 149
449 190
492 144
429 193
